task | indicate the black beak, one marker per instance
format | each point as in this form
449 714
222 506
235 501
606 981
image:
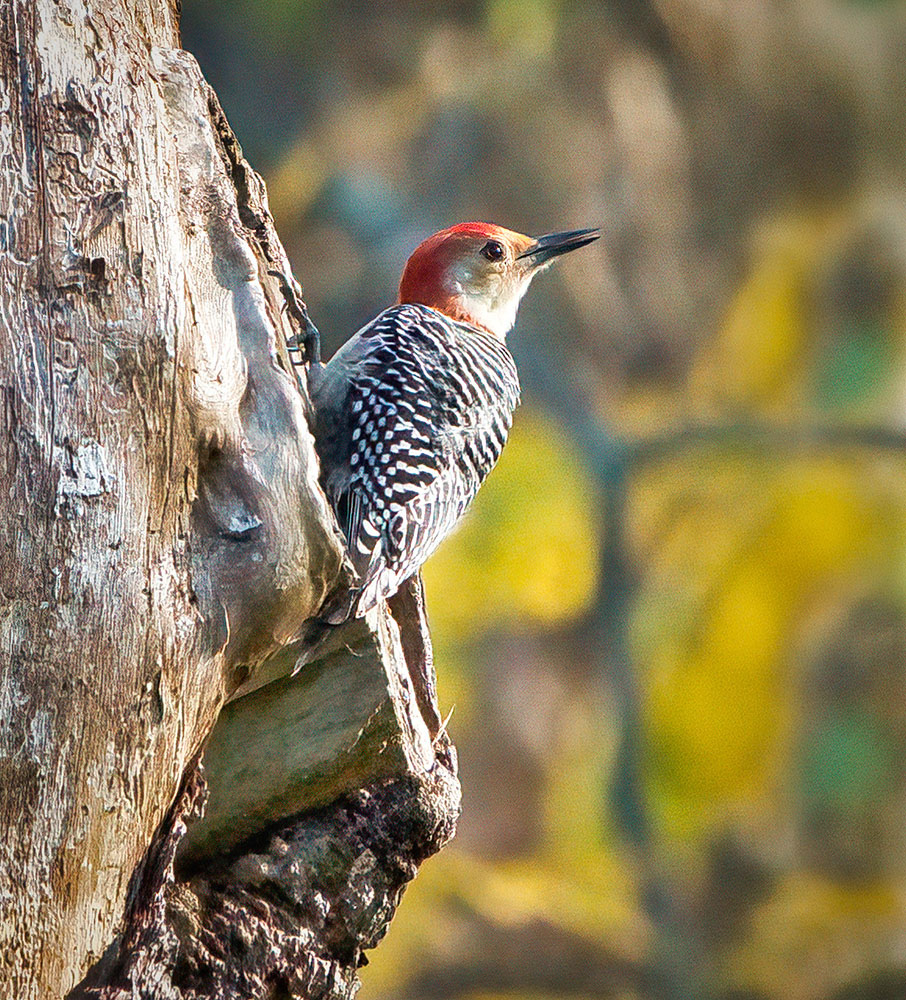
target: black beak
545 248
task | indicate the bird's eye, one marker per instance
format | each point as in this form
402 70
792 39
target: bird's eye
492 250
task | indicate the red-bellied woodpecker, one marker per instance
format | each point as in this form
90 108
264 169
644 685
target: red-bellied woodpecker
412 413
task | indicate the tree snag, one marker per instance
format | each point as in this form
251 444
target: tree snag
164 540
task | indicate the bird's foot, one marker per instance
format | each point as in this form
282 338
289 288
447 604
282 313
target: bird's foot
307 339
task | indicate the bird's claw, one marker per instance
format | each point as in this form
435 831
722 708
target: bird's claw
307 338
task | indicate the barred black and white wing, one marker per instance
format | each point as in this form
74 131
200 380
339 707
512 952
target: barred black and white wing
426 407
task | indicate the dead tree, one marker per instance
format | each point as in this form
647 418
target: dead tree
164 541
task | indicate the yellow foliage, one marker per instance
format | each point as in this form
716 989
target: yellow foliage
577 766
764 327
598 904
821 522
813 935
756 359
718 699
528 26
711 736
529 548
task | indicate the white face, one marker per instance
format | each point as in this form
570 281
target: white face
490 291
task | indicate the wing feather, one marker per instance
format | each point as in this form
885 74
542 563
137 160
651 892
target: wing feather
430 403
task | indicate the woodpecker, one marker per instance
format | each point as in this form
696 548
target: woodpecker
412 413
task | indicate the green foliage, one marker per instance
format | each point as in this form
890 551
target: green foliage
849 763
860 365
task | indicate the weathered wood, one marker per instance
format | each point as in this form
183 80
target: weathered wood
407 606
162 532
289 917
343 722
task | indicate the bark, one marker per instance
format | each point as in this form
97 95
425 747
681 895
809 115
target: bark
164 540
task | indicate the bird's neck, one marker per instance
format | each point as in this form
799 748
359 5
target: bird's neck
495 318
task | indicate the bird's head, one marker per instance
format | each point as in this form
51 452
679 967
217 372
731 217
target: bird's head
478 272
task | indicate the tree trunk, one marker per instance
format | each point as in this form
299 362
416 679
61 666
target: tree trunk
163 535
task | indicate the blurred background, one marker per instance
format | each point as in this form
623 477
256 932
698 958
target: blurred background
674 626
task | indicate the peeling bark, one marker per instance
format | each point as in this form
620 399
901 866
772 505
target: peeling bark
164 540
